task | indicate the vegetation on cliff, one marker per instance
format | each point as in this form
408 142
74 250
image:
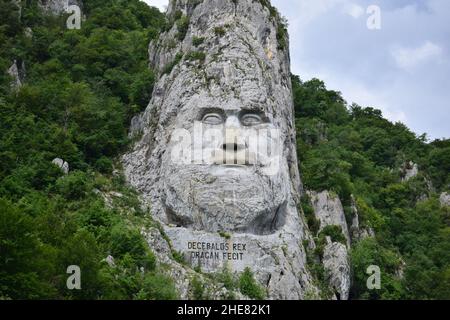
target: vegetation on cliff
80 91
353 150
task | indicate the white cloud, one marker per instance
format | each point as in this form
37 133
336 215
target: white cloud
330 41
355 10
409 58
161 4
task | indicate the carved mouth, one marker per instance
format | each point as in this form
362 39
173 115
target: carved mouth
236 166
267 222
234 159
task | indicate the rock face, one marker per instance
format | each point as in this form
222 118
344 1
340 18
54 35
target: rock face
63 165
17 74
358 233
409 171
329 211
445 199
216 158
336 263
58 6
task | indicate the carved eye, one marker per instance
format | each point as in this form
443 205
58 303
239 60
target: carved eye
251 119
212 119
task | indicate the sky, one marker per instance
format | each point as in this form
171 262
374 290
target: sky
397 61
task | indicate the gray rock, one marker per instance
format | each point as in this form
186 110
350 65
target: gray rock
17 73
445 199
181 274
409 171
336 264
28 32
110 261
216 213
58 6
63 165
357 232
329 211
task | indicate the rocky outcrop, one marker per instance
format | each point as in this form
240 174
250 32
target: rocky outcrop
336 263
329 211
409 171
17 74
357 232
63 165
58 6
445 199
223 65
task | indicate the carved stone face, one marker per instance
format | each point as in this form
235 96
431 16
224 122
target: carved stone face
225 169
219 151
216 149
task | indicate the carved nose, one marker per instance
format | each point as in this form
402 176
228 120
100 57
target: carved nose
232 141
232 147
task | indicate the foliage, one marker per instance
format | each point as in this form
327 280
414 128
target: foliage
182 27
195 56
219 31
81 89
249 287
197 288
197 41
352 150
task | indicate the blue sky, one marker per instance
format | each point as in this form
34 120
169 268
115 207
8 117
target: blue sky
402 68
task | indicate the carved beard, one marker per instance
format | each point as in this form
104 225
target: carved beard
215 199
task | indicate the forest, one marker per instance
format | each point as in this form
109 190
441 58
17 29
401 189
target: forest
81 89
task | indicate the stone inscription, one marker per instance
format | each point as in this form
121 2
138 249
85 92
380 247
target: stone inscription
216 250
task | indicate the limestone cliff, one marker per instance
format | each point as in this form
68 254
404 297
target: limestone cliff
223 62
58 6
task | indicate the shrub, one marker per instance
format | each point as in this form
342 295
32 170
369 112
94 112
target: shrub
197 288
73 186
249 287
196 56
104 165
182 27
196 41
220 31
157 286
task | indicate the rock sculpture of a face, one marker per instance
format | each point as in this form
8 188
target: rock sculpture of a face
216 152
222 151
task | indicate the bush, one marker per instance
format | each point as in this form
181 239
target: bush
196 56
158 287
124 240
196 41
334 232
220 31
366 253
249 287
197 288
104 165
182 27
74 186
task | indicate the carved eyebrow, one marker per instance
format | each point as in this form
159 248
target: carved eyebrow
204 111
255 110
